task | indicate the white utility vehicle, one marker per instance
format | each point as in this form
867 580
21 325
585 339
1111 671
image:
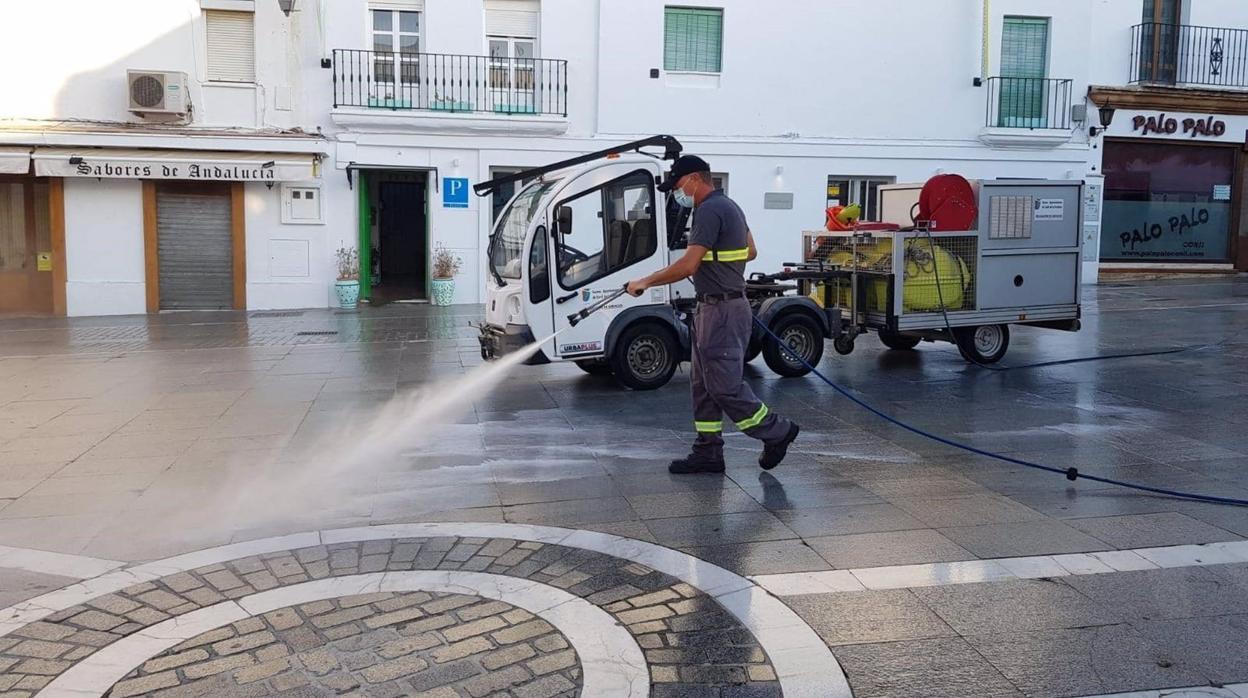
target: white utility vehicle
575 234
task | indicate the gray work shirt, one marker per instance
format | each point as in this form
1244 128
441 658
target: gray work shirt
719 224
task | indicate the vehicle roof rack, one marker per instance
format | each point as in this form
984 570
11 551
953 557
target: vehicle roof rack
671 151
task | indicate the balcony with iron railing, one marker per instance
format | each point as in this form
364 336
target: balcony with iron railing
1027 111
1173 54
473 90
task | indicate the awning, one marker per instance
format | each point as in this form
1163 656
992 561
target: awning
198 165
354 166
14 160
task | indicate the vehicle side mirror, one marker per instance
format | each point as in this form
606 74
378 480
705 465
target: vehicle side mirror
564 218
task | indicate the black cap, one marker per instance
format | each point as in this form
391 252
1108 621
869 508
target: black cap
685 164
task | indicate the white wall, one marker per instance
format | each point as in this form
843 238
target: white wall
1216 13
272 246
104 247
886 69
64 63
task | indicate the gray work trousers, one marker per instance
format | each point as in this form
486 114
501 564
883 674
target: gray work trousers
721 332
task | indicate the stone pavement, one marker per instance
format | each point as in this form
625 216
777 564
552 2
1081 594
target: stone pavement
927 572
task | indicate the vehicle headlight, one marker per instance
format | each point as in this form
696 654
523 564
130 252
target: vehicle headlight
515 314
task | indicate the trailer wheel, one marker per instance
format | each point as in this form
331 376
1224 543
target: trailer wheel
645 356
897 341
843 345
985 344
802 336
595 367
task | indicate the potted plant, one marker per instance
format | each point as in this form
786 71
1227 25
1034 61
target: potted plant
348 284
445 267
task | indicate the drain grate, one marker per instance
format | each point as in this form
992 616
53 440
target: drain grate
316 333
279 313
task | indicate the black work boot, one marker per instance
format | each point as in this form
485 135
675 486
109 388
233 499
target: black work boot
696 463
773 453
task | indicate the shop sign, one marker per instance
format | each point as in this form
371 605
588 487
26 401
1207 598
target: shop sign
203 166
1161 124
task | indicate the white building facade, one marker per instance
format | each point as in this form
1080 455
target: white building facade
284 130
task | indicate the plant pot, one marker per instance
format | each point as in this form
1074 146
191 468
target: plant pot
348 294
443 291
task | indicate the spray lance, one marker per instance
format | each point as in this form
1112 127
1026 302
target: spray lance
576 317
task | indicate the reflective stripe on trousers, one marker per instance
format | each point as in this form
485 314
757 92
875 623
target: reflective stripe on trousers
721 331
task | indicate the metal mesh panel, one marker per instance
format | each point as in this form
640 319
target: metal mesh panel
939 273
844 251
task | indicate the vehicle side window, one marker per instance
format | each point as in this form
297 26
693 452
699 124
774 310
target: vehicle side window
539 273
612 227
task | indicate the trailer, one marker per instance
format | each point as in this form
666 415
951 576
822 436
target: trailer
978 257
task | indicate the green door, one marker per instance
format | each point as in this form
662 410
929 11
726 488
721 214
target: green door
1024 67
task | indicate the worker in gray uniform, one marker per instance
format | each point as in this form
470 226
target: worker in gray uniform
719 247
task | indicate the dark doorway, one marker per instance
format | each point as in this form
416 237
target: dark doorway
401 254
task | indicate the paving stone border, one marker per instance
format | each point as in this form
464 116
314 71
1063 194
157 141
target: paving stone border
693 645
382 644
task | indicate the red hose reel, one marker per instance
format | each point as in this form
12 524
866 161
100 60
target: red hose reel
947 202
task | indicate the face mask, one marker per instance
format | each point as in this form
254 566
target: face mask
682 198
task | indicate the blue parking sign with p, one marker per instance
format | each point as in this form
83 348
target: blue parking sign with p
455 192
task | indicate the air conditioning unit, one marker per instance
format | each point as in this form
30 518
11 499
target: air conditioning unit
158 92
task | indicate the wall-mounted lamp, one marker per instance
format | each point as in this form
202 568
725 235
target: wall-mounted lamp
779 170
1106 114
287 6
75 160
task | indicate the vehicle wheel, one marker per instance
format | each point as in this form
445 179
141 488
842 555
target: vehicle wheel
595 367
985 344
803 336
752 351
843 345
897 341
645 356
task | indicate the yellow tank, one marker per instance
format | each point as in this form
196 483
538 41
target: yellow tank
919 287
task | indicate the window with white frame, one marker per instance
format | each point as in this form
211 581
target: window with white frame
511 34
231 45
396 49
693 39
864 191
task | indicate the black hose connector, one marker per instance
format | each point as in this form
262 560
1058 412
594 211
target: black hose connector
1072 474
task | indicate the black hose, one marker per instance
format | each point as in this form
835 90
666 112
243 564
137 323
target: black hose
1070 473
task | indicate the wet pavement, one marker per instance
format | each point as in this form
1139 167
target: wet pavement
112 429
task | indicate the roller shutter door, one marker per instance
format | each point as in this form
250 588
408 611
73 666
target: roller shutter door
194 248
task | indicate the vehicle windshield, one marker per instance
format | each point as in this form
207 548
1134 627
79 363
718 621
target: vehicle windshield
507 243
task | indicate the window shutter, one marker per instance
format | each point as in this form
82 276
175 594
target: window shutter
692 39
1024 64
1024 47
521 18
231 46
512 23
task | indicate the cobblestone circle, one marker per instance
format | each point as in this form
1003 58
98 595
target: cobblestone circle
693 647
440 645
